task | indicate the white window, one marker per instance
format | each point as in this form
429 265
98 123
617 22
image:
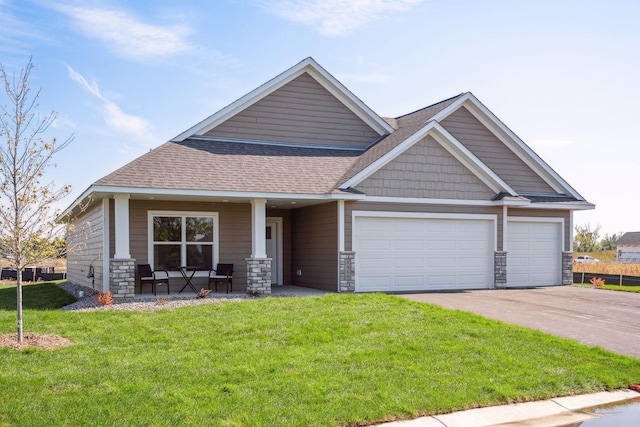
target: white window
179 239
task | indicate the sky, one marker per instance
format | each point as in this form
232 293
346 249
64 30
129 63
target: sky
126 76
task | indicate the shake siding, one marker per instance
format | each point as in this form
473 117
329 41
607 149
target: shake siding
234 231
368 206
88 238
314 239
492 152
565 215
301 112
426 170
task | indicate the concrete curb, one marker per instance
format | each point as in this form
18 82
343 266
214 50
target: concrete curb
557 411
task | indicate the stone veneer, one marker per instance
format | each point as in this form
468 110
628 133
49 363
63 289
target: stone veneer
347 271
122 278
567 268
259 276
500 269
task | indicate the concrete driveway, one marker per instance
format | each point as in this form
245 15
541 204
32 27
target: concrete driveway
594 317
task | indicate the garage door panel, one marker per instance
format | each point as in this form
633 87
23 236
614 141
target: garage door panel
373 244
423 254
409 263
408 244
373 263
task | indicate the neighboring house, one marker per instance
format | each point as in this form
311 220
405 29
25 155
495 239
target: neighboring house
629 247
443 198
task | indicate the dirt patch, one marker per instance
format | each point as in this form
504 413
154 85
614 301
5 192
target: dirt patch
31 339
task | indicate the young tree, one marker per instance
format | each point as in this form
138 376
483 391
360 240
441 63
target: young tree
585 239
27 218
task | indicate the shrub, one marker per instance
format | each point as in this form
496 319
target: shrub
105 298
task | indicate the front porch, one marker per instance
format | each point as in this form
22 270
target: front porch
301 245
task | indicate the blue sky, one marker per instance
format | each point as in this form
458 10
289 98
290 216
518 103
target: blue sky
126 76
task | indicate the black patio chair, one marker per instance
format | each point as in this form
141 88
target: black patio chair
153 278
223 274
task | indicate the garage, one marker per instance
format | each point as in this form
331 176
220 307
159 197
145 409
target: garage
534 252
413 252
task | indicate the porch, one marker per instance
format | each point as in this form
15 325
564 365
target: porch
271 242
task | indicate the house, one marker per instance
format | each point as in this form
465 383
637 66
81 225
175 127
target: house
299 182
628 246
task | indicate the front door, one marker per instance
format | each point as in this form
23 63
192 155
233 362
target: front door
274 248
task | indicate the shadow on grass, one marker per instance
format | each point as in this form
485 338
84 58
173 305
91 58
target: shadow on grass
36 296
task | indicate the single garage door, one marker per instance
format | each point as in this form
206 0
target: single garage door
417 254
534 253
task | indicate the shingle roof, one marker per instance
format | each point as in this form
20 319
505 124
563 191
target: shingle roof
228 166
198 164
629 238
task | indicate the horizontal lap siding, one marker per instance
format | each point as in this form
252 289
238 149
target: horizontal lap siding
301 112
492 152
87 240
234 229
426 170
314 236
388 207
542 213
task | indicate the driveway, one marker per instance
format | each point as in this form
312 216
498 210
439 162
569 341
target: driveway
595 317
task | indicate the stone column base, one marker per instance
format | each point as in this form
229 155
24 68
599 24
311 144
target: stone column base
122 277
567 268
347 280
500 269
258 276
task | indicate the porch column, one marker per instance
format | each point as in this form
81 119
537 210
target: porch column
258 228
122 226
258 265
122 266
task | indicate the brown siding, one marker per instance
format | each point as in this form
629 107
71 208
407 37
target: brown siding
314 236
426 170
87 240
234 228
492 152
367 206
300 112
544 213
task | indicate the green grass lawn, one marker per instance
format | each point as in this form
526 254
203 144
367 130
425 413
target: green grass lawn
314 361
612 287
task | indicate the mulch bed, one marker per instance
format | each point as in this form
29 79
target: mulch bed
33 340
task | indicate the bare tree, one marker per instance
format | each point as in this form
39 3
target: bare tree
27 215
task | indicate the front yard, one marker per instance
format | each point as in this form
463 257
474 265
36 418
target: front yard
323 361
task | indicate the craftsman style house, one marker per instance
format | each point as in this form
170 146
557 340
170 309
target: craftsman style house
299 182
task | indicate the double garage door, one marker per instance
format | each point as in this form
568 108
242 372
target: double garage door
398 253
414 254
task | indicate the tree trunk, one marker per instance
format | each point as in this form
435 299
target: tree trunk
19 292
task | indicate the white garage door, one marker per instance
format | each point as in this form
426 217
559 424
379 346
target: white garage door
534 253
413 254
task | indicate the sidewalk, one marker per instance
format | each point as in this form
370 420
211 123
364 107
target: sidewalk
553 412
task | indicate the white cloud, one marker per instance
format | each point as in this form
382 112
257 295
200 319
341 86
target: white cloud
334 17
113 114
127 34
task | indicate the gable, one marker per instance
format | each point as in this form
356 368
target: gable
300 112
426 170
493 153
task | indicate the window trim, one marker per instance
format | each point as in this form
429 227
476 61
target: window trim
183 243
